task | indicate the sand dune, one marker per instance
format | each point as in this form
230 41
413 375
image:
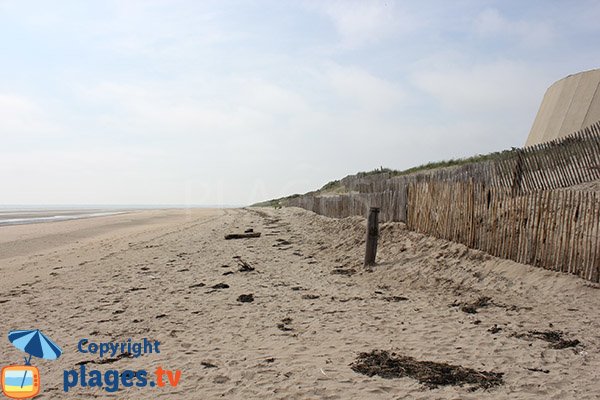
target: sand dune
171 276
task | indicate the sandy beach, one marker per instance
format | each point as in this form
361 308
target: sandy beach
169 275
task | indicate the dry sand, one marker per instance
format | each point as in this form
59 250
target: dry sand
138 275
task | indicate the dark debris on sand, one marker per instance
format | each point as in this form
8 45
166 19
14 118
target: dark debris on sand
395 299
555 338
246 298
472 308
244 266
220 286
282 242
283 326
197 285
494 329
432 374
343 271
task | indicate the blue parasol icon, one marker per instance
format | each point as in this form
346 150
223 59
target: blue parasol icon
34 343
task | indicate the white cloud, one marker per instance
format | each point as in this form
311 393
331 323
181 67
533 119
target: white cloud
482 107
531 33
357 87
227 107
490 88
161 29
89 175
366 21
22 116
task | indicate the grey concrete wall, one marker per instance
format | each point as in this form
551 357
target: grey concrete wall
569 105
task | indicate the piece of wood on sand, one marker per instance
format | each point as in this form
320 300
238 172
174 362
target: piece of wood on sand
242 235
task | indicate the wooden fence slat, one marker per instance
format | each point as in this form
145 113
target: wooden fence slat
588 215
538 239
594 236
570 232
564 215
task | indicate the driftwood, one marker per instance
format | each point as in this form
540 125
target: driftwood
242 235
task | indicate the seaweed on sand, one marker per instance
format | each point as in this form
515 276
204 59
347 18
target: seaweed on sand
555 338
432 374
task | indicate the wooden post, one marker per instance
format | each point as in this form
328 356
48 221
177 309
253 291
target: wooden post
372 235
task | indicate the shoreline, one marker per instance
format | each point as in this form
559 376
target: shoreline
43 217
26 215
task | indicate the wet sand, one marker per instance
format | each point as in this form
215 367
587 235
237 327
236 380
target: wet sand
171 276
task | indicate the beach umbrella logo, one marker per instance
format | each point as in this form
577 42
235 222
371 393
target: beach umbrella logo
23 381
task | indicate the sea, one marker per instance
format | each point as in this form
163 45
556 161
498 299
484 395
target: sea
21 215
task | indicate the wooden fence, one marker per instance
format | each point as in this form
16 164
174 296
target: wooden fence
505 206
391 202
557 230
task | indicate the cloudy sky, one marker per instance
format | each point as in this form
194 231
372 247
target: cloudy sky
231 102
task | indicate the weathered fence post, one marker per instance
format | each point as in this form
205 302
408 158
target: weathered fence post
517 180
372 235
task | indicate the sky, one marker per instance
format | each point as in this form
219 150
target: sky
233 102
